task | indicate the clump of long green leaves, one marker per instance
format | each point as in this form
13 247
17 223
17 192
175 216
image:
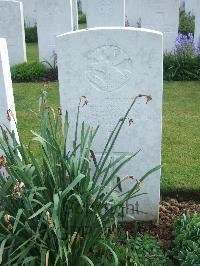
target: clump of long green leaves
54 209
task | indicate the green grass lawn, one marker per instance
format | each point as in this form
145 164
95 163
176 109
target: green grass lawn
32 52
181 128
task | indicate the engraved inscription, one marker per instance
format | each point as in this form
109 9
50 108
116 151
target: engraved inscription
109 68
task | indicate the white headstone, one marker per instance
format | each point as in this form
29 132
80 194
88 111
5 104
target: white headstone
7 105
105 13
182 5
84 6
29 12
191 6
197 26
154 14
12 29
110 66
75 14
53 18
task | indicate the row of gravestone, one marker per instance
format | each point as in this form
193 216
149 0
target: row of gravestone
53 18
161 15
56 17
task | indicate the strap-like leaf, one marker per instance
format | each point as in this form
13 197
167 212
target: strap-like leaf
44 208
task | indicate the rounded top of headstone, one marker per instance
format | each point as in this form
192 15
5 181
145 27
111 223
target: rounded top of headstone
123 29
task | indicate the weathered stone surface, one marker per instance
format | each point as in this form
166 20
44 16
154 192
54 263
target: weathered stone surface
29 12
182 5
12 29
110 66
7 105
105 13
197 28
53 18
155 15
75 14
191 6
84 6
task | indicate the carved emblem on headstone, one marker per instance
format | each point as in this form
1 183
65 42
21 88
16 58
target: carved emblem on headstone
109 68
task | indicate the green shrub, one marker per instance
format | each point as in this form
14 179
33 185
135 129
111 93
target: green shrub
140 251
187 240
54 209
52 68
186 23
181 67
82 18
31 35
28 72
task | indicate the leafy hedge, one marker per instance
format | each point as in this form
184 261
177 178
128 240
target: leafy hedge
186 23
32 72
28 72
31 35
187 240
181 67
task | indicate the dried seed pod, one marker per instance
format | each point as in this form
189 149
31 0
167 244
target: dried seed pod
9 115
83 100
73 238
130 121
49 220
2 161
7 218
59 111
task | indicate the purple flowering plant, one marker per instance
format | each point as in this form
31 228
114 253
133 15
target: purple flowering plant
185 45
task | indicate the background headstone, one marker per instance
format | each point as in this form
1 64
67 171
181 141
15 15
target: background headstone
53 18
12 29
84 6
75 14
29 13
154 14
105 13
7 105
110 67
191 6
197 28
182 5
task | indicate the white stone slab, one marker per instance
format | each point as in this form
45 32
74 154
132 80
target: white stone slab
84 6
197 29
110 66
12 28
53 18
191 6
162 15
29 12
182 5
105 13
6 92
75 14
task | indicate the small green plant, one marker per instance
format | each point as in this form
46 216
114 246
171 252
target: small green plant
187 239
28 72
138 250
181 67
186 23
54 209
52 68
81 18
31 34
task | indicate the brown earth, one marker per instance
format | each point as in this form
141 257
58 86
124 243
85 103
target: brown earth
170 210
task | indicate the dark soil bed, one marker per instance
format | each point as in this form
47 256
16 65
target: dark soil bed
169 211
